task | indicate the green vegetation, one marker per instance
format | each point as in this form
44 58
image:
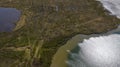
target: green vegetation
48 25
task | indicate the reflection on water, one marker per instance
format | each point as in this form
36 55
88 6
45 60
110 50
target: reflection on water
96 50
100 51
8 18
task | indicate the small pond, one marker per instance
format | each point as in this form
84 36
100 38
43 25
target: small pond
8 19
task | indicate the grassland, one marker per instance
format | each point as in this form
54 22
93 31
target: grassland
48 25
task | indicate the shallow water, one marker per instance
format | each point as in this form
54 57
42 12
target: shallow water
102 50
64 52
81 56
96 50
8 18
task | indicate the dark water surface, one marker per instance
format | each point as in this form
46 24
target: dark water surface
8 18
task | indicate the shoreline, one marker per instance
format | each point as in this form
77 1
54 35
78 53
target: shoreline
61 56
62 53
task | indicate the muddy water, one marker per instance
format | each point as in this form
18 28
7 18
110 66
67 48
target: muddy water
63 54
61 57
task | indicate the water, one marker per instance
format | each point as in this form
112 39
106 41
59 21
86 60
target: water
8 18
101 50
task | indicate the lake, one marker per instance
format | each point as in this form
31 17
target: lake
8 19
